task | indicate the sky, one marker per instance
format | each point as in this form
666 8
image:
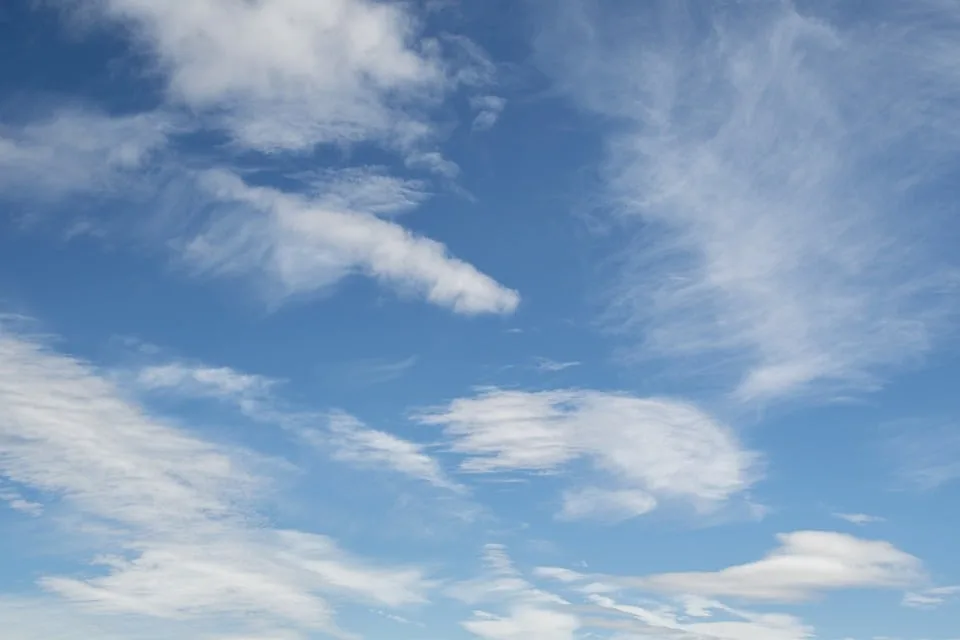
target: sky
501 320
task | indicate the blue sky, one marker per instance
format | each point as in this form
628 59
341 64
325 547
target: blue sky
505 320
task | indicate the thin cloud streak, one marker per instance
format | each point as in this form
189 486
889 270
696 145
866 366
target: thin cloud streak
805 564
772 155
344 438
643 450
299 246
859 519
353 442
182 539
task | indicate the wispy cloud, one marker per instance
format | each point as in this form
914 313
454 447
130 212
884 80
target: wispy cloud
500 581
925 453
806 563
199 380
670 621
526 611
369 189
297 245
343 437
353 442
349 72
644 450
930 598
377 370
185 541
76 150
488 110
859 518
772 155
18 503
551 366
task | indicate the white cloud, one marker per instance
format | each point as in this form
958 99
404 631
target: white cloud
45 618
600 504
368 189
785 168
302 246
529 611
352 441
859 518
345 438
78 150
183 541
930 598
501 582
548 365
377 370
590 609
666 621
284 75
926 452
202 381
524 622
488 110
289 74
805 564
18 503
650 448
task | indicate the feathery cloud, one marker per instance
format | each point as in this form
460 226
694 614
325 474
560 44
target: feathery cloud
650 449
930 598
345 438
353 442
301 246
773 155
184 540
551 366
76 150
527 609
859 518
805 564
488 110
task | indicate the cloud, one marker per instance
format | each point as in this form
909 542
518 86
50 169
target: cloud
488 110
345 437
667 622
529 611
76 150
524 622
290 74
859 518
600 504
280 76
291 244
180 535
298 245
805 564
222 383
353 442
925 452
783 167
368 189
18 503
548 365
650 449
930 598
33 618
377 370
501 582
686 617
